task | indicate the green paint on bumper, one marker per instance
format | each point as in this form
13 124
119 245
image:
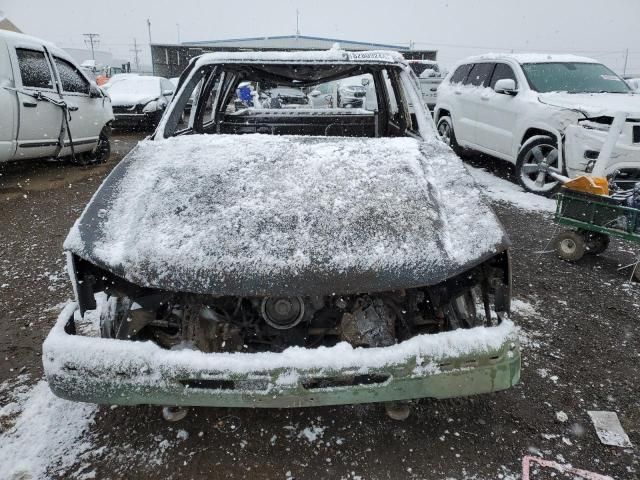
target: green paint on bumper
138 380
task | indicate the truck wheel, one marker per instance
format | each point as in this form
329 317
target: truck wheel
541 151
448 136
100 154
570 246
103 149
596 242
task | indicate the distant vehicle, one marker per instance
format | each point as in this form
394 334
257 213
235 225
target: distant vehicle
49 107
285 97
139 101
323 95
430 76
109 72
353 91
522 107
116 78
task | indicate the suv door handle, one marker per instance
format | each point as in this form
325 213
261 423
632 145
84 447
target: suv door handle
457 92
29 104
72 108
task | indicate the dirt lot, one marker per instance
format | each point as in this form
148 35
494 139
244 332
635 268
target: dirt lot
581 352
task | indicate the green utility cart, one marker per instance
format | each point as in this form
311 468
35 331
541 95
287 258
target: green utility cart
591 221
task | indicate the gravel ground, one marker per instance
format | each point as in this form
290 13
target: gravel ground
580 353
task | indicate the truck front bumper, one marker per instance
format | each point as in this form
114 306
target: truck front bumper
582 145
450 364
122 120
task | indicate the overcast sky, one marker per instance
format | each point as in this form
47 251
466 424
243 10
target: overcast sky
456 28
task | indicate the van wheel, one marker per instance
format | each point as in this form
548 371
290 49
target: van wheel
448 136
534 158
100 154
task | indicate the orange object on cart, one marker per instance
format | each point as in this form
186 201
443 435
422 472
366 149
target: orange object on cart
595 185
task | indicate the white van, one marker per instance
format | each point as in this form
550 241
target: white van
48 106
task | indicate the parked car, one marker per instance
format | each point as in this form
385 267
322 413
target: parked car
430 77
139 101
279 96
48 105
521 107
116 78
352 91
343 256
323 95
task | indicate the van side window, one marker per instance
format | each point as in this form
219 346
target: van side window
480 75
502 71
72 80
461 73
34 69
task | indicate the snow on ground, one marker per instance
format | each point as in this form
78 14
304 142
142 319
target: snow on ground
501 190
48 434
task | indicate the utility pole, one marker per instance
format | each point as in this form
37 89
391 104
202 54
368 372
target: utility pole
135 51
92 39
153 68
178 27
149 29
626 57
297 22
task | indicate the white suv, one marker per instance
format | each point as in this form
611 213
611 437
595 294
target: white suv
520 107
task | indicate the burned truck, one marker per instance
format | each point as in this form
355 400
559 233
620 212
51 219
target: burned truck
261 257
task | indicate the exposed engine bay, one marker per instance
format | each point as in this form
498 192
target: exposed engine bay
478 297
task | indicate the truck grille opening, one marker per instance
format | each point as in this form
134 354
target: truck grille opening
331 382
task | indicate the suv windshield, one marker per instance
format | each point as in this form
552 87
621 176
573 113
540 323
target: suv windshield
573 78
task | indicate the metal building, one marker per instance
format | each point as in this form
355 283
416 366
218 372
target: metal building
170 59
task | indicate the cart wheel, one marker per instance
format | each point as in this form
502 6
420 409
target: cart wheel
570 246
636 272
596 242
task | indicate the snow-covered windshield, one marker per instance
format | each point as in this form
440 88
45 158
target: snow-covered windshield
573 77
148 86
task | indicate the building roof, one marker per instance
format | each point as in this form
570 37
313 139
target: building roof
303 42
6 24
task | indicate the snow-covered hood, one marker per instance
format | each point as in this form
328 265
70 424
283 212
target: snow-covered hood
125 99
594 104
273 215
